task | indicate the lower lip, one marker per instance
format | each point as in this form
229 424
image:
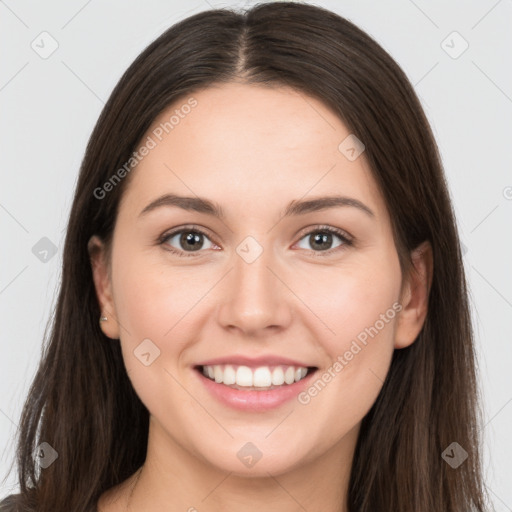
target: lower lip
254 400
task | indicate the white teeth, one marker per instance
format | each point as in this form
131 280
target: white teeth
289 375
261 377
229 375
244 376
277 376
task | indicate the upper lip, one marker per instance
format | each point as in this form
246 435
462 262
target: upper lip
270 360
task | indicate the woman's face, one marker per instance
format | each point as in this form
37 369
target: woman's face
265 292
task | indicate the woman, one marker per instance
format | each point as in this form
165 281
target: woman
207 353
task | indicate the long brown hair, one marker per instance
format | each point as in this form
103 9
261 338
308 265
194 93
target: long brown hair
81 401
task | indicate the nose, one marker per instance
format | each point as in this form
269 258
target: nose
255 299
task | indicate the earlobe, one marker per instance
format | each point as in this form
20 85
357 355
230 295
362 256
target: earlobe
103 287
415 295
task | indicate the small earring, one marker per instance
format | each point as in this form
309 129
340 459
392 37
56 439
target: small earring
103 318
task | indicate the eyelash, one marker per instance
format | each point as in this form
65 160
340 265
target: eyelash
346 239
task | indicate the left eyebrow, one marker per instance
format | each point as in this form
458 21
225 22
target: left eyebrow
322 203
202 205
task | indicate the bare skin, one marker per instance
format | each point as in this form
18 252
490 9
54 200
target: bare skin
252 150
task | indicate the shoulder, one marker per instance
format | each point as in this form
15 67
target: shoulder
10 503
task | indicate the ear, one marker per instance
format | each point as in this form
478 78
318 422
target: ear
103 285
414 296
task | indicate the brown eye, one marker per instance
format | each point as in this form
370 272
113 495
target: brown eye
186 240
322 239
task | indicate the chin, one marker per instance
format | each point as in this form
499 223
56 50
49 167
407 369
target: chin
253 459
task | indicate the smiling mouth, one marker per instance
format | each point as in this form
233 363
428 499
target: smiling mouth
261 378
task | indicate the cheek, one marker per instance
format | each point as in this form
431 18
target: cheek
360 306
147 308
153 300
351 301
152 309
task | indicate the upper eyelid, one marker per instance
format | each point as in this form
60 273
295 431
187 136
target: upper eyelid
324 227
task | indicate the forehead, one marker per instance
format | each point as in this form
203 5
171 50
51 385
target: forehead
250 147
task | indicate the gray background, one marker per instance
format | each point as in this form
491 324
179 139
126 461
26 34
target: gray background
49 107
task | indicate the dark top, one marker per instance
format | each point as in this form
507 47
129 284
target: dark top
10 504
